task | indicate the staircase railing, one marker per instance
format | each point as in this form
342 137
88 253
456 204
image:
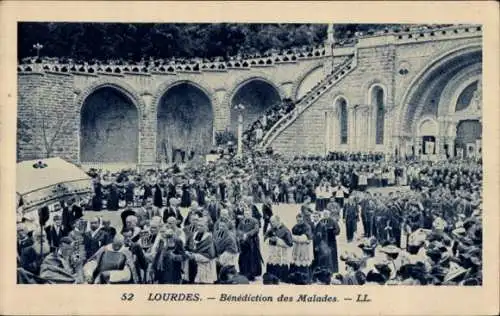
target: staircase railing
305 102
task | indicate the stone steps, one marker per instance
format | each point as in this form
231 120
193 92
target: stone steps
331 80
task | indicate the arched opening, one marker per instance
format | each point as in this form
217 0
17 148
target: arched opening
185 123
467 142
377 102
258 97
428 132
466 97
426 92
109 130
341 106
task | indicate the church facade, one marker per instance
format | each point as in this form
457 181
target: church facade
406 93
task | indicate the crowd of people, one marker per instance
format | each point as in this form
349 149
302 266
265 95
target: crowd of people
293 52
256 131
217 223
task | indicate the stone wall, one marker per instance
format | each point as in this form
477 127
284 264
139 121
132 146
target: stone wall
47 110
50 102
308 133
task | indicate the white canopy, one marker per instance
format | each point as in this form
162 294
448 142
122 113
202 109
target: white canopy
41 185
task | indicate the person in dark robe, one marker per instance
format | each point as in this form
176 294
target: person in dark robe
129 192
113 198
200 194
325 243
55 232
76 210
395 221
267 212
173 211
279 239
110 230
98 196
250 258
350 215
368 216
226 246
167 264
24 239
222 190
95 238
32 256
148 192
189 265
255 210
112 264
302 252
67 217
186 196
227 219
139 258
307 210
158 196
213 208
56 268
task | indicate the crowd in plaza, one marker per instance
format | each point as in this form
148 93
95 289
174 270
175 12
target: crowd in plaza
429 235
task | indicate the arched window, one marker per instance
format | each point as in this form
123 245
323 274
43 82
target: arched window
378 104
343 122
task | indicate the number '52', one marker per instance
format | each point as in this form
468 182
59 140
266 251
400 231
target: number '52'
127 297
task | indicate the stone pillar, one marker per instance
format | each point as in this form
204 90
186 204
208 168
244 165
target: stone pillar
351 127
418 146
451 146
147 133
240 134
367 135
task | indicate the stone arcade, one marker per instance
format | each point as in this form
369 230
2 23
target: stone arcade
417 92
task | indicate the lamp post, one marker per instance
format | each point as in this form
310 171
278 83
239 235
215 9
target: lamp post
240 108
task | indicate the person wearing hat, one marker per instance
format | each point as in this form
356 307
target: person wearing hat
353 276
368 261
392 253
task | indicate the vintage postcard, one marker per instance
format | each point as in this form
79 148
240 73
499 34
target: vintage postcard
269 158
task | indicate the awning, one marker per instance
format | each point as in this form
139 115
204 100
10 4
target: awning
43 186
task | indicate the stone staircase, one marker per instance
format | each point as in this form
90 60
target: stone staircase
309 99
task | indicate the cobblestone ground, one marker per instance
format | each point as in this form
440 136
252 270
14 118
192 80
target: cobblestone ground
287 213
